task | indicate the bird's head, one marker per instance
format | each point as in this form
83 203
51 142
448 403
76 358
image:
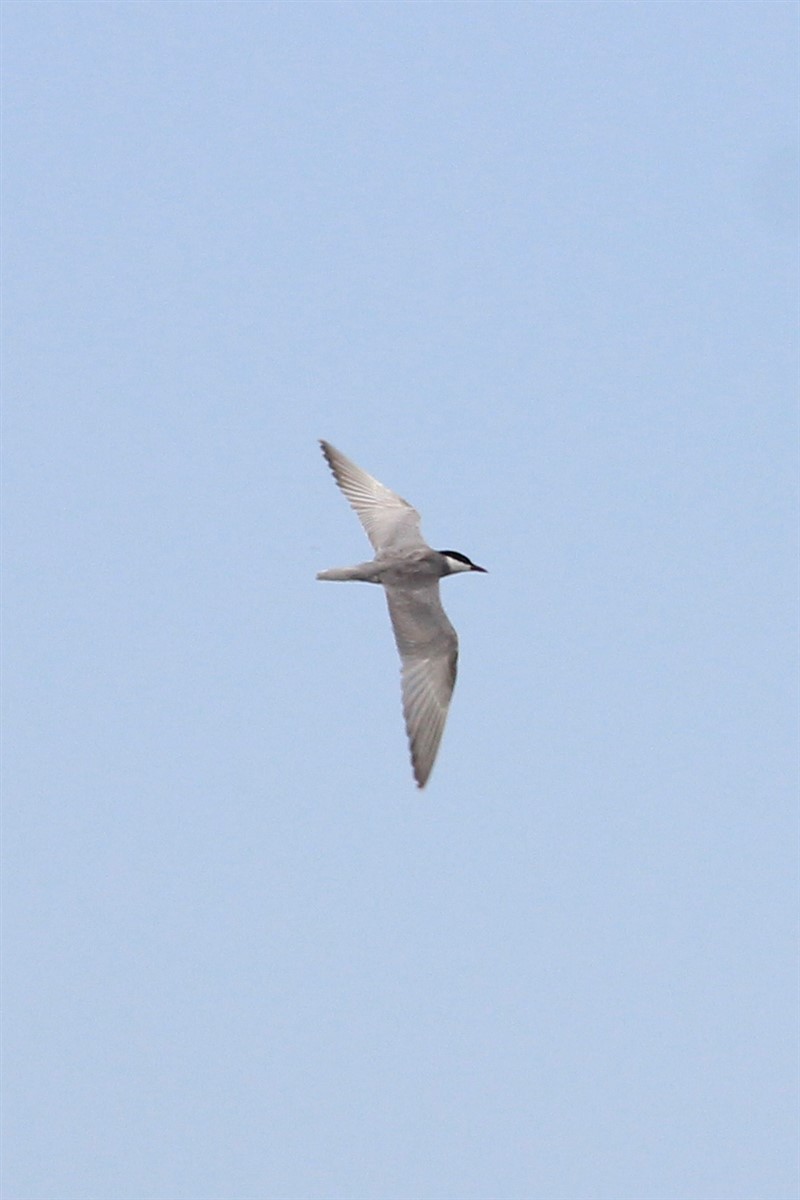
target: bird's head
459 562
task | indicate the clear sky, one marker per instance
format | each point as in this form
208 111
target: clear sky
534 266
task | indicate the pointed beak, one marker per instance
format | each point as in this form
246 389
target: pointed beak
482 570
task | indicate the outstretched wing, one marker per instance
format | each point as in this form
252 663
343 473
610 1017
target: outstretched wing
428 647
388 519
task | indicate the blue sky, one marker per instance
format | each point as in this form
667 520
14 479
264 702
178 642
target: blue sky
535 267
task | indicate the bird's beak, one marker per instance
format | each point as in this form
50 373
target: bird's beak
482 570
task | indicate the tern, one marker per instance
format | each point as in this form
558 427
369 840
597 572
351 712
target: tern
409 570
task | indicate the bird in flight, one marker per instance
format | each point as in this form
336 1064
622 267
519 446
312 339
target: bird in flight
409 571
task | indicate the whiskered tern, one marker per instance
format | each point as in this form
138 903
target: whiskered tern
409 571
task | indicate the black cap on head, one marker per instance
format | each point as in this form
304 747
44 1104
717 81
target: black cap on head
462 558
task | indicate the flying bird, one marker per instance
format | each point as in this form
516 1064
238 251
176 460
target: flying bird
409 571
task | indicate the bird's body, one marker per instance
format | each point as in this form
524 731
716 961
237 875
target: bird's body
409 571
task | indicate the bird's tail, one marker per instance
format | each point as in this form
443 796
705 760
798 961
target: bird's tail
363 573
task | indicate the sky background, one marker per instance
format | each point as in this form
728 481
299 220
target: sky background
534 266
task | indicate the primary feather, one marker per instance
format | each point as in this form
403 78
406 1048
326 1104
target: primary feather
388 519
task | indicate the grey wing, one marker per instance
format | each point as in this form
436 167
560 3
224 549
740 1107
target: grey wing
388 519
428 647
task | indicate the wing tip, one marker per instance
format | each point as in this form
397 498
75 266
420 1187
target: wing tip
421 770
331 456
